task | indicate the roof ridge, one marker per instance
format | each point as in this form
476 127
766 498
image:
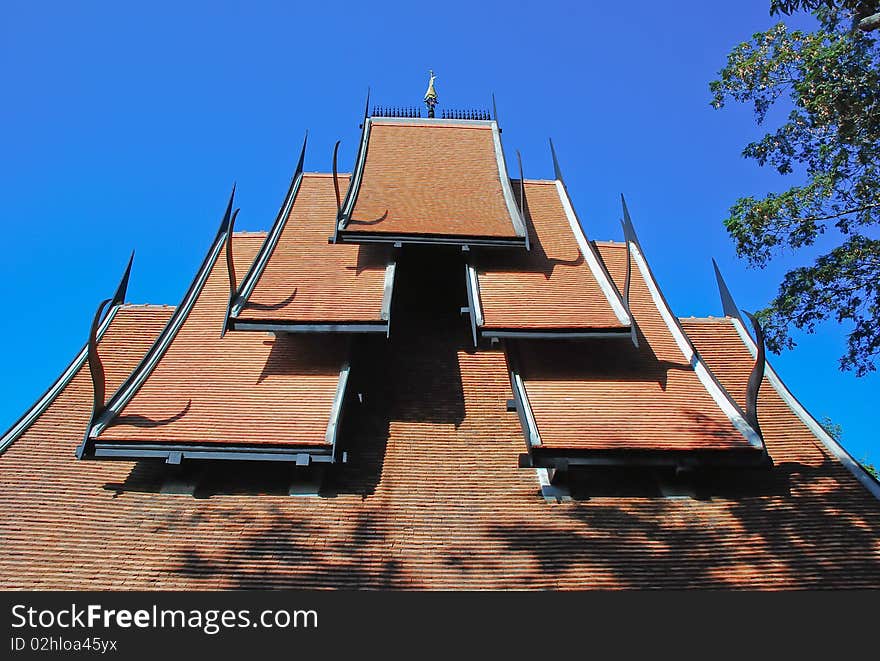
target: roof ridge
325 174
147 306
705 319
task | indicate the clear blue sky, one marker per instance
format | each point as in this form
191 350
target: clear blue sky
125 124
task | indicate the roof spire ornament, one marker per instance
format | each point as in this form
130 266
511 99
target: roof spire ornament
431 98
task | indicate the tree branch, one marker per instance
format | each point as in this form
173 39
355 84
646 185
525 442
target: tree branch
870 23
834 215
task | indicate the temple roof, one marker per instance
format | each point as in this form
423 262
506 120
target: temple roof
402 515
310 284
238 390
558 287
491 400
431 181
587 395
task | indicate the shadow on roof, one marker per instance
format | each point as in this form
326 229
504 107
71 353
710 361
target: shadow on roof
303 354
285 544
701 484
375 221
133 420
249 305
536 260
371 258
590 360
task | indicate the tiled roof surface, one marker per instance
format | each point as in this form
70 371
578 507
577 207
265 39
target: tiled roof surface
411 185
127 338
431 498
551 286
243 388
786 437
306 279
607 394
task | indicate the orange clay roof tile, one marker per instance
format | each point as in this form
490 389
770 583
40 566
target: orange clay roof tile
594 395
438 178
788 440
308 280
128 337
550 287
430 499
243 388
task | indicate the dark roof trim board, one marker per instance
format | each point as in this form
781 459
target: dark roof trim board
174 453
336 410
341 232
321 326
133 383
315 327
728 305
521 400
259 264
555 334
354 182
634 329
30 416
230 270
472 293
388 292
348 202
563 459
472 283
710 382
836 449
432 239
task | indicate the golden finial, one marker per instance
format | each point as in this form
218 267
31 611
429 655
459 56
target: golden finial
431 97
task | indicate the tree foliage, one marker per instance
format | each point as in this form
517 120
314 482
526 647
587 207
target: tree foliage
829 81
865 14
833 429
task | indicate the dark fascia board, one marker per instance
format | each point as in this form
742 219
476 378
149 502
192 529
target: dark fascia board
154 354
521 398
30 416
539 456
21 425
332 434
240 324
382 325
347 236
259 264
555 333
472 304
354 182
561 459
176 452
